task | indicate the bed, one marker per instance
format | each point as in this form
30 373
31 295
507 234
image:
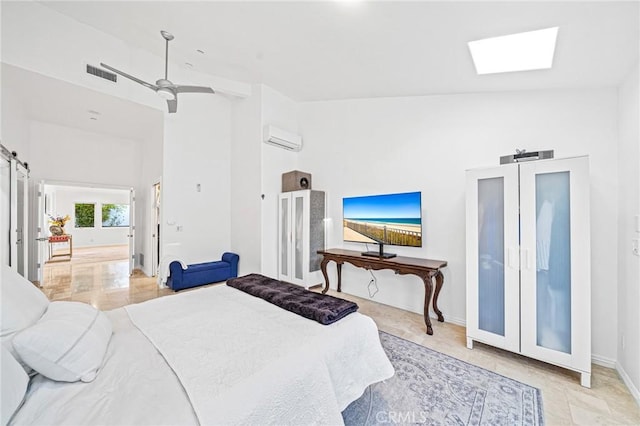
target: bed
210 356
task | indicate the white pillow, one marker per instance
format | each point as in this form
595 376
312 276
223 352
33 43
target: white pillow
67 344
14 385
22 303
22 306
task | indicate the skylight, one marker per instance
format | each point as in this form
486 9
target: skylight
527 51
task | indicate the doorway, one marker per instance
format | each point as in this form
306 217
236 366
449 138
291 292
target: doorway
155 228
86 233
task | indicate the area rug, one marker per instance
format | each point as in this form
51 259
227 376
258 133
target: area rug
435 389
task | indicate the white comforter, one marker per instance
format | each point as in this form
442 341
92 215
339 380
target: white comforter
220 357
242 360
135 386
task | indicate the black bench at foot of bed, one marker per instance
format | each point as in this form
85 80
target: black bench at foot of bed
322 308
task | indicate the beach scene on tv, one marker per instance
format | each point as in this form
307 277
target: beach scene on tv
388 219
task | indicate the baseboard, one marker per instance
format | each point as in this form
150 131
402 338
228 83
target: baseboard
596 359
457 321
627 381
603 361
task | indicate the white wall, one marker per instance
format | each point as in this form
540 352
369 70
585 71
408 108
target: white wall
246 177
629 207
62 153
63 200
151 173
374 146
256 177
282 112
197 150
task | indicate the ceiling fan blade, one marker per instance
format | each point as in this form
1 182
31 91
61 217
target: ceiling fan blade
193 89
130 77
173 105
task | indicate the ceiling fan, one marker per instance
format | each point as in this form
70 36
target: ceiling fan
164 87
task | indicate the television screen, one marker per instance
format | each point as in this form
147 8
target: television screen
394 219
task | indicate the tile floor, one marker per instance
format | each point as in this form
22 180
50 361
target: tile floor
105 284
100 277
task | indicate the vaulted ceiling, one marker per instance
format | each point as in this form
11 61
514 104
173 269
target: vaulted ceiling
336 50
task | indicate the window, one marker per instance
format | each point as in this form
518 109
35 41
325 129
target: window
115 215
84 215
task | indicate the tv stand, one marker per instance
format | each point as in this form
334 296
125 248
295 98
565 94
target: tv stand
426 269
379 253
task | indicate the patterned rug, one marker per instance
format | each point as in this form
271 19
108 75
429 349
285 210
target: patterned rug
436 389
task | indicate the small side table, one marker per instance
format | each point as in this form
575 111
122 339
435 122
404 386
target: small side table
55 239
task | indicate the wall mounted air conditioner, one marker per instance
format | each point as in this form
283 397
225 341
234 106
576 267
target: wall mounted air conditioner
281 138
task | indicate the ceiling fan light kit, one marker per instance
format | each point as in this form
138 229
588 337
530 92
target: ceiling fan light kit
164 87
165 93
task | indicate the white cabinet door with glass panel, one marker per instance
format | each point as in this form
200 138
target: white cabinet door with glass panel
528 261
301 234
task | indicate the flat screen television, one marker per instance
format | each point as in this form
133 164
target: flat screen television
394 219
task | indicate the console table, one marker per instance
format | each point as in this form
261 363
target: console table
55 239
424 268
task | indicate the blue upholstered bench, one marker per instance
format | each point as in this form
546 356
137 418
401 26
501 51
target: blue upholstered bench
203 273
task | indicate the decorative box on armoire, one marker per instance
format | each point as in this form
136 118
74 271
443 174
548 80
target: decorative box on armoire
301 233
528 261
296 180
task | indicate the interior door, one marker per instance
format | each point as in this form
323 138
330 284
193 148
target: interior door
556 273
132 230
19 219
5 211
155 231
493 294
41 237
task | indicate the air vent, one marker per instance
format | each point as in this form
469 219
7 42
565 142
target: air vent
98 72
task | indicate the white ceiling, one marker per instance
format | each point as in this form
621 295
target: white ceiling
55 101
336 50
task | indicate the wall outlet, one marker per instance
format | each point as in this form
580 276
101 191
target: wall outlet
635 246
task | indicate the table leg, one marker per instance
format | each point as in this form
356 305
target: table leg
428 287
439 281
323 266
339 266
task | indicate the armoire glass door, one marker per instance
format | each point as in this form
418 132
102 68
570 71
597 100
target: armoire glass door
284 237
553 261
491 252
492 260
556 277
298 236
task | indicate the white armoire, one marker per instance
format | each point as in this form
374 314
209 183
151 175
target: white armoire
528 261
301 233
